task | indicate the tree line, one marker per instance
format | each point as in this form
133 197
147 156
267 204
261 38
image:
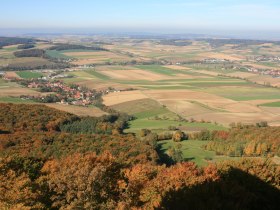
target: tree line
6 41
61 47
247 141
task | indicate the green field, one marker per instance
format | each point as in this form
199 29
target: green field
273 104
192 151
15 100
5 84
61 54
83 74
162 125
141 108
167 71
98 75
9 49
2 82
158 69
152 115
29 74
57 54
254 92
182 84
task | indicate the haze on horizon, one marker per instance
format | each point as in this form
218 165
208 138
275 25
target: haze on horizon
247 19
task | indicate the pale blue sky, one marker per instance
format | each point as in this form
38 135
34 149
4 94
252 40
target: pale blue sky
176 16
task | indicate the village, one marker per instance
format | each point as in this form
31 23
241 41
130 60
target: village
59 92
275 73
266 58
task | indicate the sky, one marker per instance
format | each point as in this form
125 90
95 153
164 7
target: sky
251 17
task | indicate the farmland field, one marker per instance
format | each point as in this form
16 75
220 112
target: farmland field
80 111
15 100
272 104
183 86
57 54
29 74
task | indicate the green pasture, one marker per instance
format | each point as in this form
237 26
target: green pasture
15 100
255 92
158 69
57 54
192 150
98 75
29 74
272 104
138 124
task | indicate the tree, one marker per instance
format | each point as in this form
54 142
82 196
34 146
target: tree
83 181
176 155
144 132
178 136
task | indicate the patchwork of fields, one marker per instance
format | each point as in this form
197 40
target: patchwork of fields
204 98
182 91
195 92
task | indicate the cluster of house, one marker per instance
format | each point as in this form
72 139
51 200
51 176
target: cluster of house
215 60
270 72
65 94
266 58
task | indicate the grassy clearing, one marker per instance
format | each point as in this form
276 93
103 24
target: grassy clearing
192 150
138 124
29 74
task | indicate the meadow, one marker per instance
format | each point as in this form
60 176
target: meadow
192 150
273 104
29 74
57 54
15 100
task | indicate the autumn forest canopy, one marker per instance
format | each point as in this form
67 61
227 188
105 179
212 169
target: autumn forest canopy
55 160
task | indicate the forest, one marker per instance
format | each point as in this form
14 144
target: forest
175 42
6 41
245 141
61 47
51 159
30 53
25 46
241 42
